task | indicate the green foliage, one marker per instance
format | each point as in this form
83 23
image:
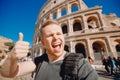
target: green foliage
9 44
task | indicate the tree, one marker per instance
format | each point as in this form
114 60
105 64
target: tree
10 45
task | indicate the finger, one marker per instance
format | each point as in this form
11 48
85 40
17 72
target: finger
21 51
20 56
22 47
22 43
20 36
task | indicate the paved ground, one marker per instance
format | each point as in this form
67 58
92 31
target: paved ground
102 73
105 76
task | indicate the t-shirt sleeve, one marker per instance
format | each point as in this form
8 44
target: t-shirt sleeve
86 72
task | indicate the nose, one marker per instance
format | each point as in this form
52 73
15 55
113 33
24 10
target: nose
55 36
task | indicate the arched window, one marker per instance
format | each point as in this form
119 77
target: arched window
74 8
64 29
99 49
92 22
63 12
66 48
118 48
77 26
80 48
55 16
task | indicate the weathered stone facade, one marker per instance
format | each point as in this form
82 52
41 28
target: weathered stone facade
86 30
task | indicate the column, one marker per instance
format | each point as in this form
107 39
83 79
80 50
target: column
51 16
70 27
68 8
111 51
84 22
101 19
90 50
80 6
58 13
71 46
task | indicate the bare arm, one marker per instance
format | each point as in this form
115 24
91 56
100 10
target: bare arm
11 67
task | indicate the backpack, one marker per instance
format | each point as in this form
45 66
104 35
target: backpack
69 67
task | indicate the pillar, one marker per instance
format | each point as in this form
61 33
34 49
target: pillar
101 19
111 51
68 8
70 27
90 50
80 6
71 46
84 22
51 16
58 13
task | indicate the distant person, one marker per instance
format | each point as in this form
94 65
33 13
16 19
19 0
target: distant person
112 65
106 64
90 60
49 65
118 62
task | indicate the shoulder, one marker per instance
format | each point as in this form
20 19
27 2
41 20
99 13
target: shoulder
40 59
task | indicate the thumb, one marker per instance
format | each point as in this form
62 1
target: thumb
20 36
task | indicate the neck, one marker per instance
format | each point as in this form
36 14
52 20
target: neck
57 58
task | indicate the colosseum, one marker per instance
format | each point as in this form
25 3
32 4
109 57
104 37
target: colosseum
86 30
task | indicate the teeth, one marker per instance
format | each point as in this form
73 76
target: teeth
58 44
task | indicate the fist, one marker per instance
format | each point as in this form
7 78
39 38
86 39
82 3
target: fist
21 48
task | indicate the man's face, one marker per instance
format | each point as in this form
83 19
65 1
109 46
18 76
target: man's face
53 40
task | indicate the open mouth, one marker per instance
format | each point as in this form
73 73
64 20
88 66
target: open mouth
58 45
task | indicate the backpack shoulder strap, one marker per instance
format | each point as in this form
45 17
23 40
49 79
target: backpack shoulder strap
38 61
70 66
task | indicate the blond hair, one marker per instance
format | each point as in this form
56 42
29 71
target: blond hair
46 23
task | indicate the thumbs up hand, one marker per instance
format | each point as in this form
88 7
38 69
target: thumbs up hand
21 47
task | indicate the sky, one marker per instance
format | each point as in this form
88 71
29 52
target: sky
21 15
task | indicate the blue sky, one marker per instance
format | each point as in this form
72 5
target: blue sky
20 15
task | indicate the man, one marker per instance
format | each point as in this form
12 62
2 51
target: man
49 64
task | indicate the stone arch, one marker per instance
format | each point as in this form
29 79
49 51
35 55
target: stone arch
99 46
64 28
117 46
77 25
63 11
74 7
99 49
92 22
66 48
80 48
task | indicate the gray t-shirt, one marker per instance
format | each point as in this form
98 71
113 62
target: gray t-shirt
52 71
49 71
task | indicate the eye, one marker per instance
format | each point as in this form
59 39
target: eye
58 33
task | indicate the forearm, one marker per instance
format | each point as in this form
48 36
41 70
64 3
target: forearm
26 67
9 67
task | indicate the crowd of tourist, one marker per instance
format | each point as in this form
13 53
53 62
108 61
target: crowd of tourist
112 65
